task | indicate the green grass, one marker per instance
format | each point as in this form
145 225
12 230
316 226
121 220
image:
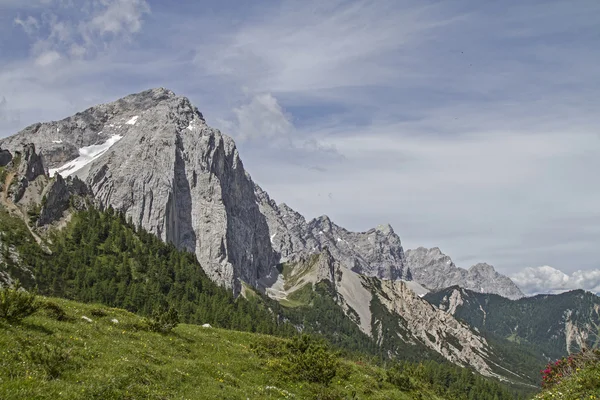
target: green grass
43 358
299 298
294 272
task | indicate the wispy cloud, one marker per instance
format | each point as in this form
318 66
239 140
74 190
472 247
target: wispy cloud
262 117
545 279
66 33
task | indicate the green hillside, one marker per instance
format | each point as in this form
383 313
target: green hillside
54 355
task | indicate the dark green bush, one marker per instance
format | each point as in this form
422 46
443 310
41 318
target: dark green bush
55 311
311 360
98 312
397 378
16 303
162 321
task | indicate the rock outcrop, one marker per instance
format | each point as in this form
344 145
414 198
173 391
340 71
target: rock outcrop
29 168
59 195
5 157
435 270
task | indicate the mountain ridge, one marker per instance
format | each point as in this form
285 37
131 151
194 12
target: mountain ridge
435 270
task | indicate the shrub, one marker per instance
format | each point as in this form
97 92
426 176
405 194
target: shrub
55 311
269 346
396 377
16 303
162 321
311 360
34 213
98 312
558 370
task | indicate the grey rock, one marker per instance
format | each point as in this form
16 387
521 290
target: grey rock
5 157
60 141
58 196
30 167
435 270
377 252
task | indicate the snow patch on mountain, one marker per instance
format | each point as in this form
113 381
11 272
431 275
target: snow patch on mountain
133 120
86 155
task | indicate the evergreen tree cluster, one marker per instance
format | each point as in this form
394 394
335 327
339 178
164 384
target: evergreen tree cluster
451 382
100 257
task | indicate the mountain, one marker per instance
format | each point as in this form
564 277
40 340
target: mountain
435 270
152 158
553 324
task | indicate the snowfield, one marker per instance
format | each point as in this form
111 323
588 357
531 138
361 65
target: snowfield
86 156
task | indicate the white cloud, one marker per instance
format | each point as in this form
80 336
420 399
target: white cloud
47 58
262 117
98 26
30 25
120 16
545 279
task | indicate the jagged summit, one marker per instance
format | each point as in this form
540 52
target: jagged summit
385 228
435 270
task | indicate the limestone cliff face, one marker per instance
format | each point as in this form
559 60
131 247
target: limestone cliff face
437 329
59 195
29 168
435 270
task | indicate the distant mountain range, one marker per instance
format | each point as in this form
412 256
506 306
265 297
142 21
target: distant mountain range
555 324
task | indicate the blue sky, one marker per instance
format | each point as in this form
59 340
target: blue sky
470 126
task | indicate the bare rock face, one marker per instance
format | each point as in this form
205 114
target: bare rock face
5 157
435 270
29 168
377 252
58 196
437 329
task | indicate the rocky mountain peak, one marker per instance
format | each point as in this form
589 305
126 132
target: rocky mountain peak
31 165
386 229
152 156
483 268
435 270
